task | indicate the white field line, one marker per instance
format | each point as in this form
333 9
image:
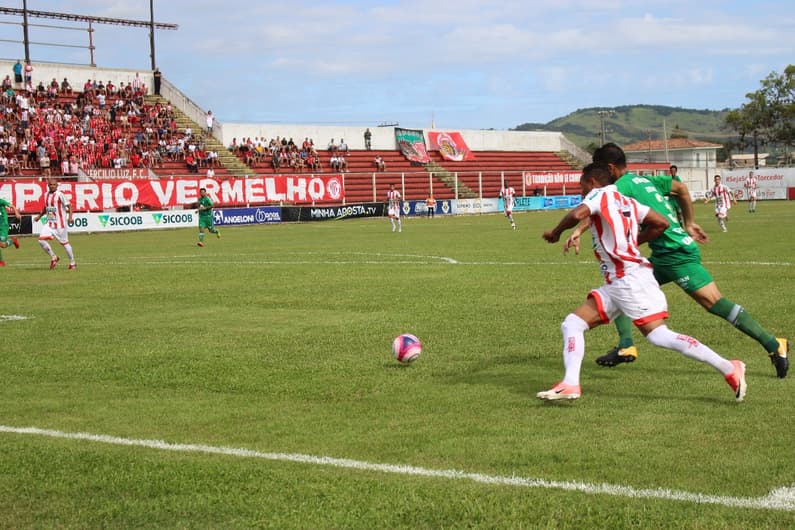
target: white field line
779 499
6 318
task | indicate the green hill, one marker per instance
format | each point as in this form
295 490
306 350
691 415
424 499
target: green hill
633 123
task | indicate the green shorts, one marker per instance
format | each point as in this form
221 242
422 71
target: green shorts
206 222
687 272
4 234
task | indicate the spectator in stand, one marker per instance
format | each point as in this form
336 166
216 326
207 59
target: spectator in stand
334 162
368 136
66 88
190 162
137 83
209 120
343 146
307 144
28 73
135 159
44 159
7 83
18 73
210 173
342 163
158 79
52 90
380 165
332 146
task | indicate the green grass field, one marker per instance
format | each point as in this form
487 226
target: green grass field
210 384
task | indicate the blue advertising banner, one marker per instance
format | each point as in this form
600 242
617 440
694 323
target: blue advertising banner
420 208
554 202
247 216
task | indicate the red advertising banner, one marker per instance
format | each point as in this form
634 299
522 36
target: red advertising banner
115 174
541 178
160 194
451 146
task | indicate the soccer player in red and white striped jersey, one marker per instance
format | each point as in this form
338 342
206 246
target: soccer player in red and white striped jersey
752 187
393 207
58 211
630 287
508 200
723 201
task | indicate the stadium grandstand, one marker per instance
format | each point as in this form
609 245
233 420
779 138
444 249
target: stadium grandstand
96 123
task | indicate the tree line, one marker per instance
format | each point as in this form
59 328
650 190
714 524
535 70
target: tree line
768 115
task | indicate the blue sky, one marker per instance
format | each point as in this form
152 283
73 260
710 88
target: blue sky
463 64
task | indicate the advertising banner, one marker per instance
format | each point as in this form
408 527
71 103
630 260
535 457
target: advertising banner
125 221
451 146
411 144
420 208
544 203
161 194
472 206
119 174
23 227
772 183
247 216
322 213
542 178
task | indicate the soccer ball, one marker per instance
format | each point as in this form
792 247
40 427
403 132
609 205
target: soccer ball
407 348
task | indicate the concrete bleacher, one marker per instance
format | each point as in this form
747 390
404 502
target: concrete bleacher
499 155
485 175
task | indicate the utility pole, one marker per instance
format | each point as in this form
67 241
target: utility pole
603 133
25 29
152 32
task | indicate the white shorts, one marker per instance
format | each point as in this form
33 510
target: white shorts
394 211
721 212
637 295
48 233
752 195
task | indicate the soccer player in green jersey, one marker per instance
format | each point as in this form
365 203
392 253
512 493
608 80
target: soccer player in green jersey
206 216
676 258
5 241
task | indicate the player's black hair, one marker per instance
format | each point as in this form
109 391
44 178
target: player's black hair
673 166
610 153
597 171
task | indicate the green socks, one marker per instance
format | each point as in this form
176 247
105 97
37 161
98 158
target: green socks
740 319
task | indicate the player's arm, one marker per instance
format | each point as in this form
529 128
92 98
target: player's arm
40 214
654 224
574 238
681 194
68 207
570 220
16 212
